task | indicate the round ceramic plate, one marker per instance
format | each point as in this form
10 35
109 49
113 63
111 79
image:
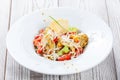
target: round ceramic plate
21 35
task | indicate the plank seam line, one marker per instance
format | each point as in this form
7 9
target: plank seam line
5 65
58 3
112 49
114 64
10 11
93 74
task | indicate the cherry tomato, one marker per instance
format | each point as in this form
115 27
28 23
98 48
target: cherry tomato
40 50
64 57
38 37
35 42
55 39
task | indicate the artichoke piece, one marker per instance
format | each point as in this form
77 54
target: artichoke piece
65 49
83 40
73 29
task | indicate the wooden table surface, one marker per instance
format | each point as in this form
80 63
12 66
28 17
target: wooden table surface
12 10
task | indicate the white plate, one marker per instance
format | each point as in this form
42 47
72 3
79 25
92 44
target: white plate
21 35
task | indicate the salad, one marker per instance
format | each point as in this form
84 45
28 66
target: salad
59 41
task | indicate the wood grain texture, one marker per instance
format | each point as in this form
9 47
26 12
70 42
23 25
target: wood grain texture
14 71
103 8
113 8
105 70
4 20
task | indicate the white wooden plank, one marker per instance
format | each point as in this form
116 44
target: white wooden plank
36 76
14 71
71 77
113 8
45 3
69 3
4 20
50 77
105 70
87 75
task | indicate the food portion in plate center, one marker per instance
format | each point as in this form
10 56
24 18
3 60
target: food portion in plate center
59 41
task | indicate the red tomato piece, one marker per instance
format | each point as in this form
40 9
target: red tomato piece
55 39
35 42
39 39
40 50
64 57
36 36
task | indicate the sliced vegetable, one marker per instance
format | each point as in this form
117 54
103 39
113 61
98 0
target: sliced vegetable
64 57
55 39
60 52
65 49
73 29
40 50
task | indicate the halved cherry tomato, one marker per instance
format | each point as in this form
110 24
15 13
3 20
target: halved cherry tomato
40 50
55 39
38 37
35 42
64 57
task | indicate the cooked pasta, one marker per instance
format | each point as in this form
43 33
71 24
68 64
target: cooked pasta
60 42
